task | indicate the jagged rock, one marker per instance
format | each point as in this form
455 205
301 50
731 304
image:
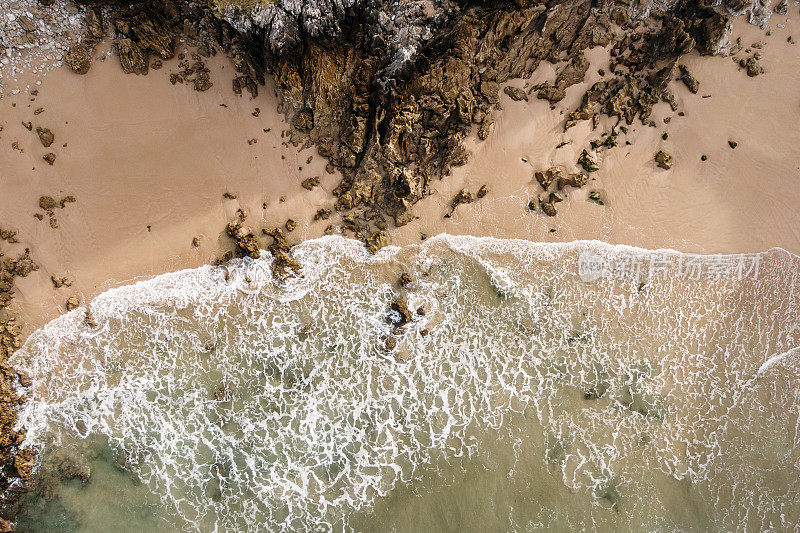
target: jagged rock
405 279
463 197
246 242
587 162
46 136
322 213
751 66
50 158
400 307
483 191
573 180
689 80
376 241
132 57
571 74
549 209
72 303
78 59
48 204
290 225
663 160
310 183
515 93
27 125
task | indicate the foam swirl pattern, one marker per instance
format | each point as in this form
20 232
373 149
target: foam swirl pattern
646 401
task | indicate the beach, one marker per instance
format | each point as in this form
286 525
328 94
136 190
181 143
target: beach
148 164
400 291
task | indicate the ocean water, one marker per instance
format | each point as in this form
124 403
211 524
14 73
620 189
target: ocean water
537 387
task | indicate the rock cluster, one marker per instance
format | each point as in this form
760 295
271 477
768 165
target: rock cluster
552 180
15 462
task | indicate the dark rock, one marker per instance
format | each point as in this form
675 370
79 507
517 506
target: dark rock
587 162
663 160
46 136
515 93
310 183
691 83
246 242
50 157
78 59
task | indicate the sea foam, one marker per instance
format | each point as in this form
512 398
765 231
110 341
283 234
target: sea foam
244 403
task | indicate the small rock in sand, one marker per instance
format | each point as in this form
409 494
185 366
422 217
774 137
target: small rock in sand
50 157
73 303
290 225
45 136
310 183
663 160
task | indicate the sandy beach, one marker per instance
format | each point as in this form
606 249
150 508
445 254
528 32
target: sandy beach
148 164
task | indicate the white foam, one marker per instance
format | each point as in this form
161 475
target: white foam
316 421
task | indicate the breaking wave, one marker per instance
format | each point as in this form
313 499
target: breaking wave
635 381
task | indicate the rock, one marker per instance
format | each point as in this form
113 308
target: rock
322 213
405 279
50 157
663 160
132 57
691 83
544 179
23 463
27 125
246 242
463 197
751 66
483 191
554 198
59 282
229 196
310 183
196 242
73 303
46 136
376 241
405 315
515 93
290 225
78 59
595 197
732 143
549 209
587 162
202 80
48 204
577 180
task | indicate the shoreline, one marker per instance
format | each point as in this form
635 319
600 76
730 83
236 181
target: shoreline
125 179
119 178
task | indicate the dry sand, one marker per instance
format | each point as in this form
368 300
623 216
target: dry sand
141 152
739 200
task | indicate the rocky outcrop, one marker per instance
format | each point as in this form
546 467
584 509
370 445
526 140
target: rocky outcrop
388 91
16 463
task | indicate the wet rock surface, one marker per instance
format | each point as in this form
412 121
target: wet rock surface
16 463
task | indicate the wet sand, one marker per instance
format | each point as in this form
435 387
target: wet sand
141 152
